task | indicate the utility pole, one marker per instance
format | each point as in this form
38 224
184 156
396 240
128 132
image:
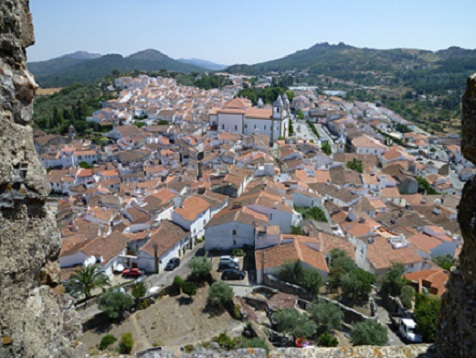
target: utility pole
156 247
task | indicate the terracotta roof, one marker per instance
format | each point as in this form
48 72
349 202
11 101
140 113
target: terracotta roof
433 280
192 207
382 255
165 237
106 247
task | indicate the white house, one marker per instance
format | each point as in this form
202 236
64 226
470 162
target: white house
367 145
193 215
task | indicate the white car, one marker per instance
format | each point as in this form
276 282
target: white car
227 258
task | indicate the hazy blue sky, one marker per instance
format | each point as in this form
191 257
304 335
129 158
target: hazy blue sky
246 31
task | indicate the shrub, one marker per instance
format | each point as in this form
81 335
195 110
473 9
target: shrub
114 303
106 341
189 289
427 309
219 294
291 321
200 267
177 285
327 340
127 343
142 305
188 348
238 252
237 313
255 342
408 293
225 341
139 290
369 333
326 315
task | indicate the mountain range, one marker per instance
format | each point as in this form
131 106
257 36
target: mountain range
84 67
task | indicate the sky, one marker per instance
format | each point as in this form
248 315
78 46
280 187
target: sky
246 31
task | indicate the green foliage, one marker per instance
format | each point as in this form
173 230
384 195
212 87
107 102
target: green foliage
327 340
294 323
85 165
299 114
142 305
291 127
326 148
296 230
225 341
403 128
254 342
200 267
294 273
238 252
268 94
188 348
237 313
445 261
407 296
427 309
177 285
127 343
356 165
369 333
357 285
393 281
139 290
85 280
219 294
340 264
115 303
313 128
424 185
315 213
189 289
106 341
326 315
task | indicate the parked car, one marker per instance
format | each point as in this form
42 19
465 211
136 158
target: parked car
407 330
132 272
227 258
228 265
233 274
172 264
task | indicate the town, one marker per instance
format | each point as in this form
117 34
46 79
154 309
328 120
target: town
263 191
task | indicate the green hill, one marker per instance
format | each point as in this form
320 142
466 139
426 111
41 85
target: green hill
66 70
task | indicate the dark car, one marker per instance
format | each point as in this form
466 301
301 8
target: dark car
233 274
228 265
172 264
132 272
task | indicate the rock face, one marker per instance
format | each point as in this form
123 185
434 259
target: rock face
36 320
457 322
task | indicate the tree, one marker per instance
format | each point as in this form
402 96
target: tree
356 165
369 333
200 267
311 280
446 262
393 281
326 315
177 285
326 148
407 296
340 264
106 341
127 343
427 309
299 113
327 340
85 280
189 289
85 165
115 303
219 294
357 285
291 127
139 290
294 323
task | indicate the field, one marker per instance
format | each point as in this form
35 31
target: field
47 91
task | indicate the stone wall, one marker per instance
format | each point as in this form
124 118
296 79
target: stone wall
456 335
36 320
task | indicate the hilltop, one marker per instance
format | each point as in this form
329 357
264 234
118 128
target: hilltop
82 67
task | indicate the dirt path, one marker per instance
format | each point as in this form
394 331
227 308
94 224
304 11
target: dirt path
142 342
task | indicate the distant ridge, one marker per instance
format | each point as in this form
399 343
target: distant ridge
84 67
207 65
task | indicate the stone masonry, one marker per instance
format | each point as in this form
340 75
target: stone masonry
36 320
456 335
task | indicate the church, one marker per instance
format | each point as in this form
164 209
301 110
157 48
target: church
239 116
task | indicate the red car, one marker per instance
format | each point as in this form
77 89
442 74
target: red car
132 272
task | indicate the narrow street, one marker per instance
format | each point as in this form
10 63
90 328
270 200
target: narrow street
383 317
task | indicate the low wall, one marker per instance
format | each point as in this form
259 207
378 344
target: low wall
350 315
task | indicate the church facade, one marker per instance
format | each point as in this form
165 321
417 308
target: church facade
239 116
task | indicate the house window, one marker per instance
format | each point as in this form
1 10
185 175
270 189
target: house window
222 126
234 232
270 216
236 127
264 127
246 126
255 126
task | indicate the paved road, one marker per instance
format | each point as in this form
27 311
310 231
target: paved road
384 318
